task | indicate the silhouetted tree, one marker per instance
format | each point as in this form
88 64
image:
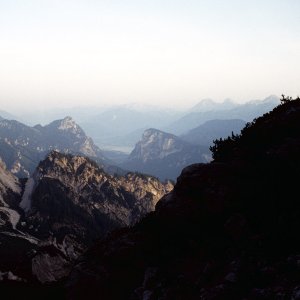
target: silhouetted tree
286 99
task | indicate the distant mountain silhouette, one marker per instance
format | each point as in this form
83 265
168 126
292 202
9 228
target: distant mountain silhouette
6 115
209 105
116 125
246 112
213 129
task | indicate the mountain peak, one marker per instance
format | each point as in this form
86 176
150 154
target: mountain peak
155 144
156 132
272 99
208 104
66 163
163 154
67 123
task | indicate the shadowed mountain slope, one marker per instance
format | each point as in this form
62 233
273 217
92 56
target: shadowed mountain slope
206 133
228 230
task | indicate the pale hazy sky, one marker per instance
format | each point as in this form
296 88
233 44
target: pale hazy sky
61 52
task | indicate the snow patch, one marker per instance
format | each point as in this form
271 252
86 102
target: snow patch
13 216
25 203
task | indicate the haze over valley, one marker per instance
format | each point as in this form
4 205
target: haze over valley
157 142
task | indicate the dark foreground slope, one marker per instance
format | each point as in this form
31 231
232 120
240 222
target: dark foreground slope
228 230
50 220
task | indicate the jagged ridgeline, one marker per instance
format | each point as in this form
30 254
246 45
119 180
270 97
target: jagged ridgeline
68 203
228 230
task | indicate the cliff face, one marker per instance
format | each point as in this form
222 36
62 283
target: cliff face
72 196
163 154
67 136
228 230
10 191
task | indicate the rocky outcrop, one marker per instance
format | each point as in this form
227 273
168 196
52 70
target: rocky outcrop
59 212
74 198
67 136
10 191
228 230
164 155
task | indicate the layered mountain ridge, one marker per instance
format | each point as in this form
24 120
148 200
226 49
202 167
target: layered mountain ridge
246 112
22 147
206 133
228 230
208 104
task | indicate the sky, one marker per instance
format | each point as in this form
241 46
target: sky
60 53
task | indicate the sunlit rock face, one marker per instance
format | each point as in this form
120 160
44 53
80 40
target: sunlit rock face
156 144
82 200
164 155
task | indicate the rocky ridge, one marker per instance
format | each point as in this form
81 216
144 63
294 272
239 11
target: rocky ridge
63 207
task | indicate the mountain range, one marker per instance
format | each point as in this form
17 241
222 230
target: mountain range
246 112
228 230
117 126
120 127
208 105
22 146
